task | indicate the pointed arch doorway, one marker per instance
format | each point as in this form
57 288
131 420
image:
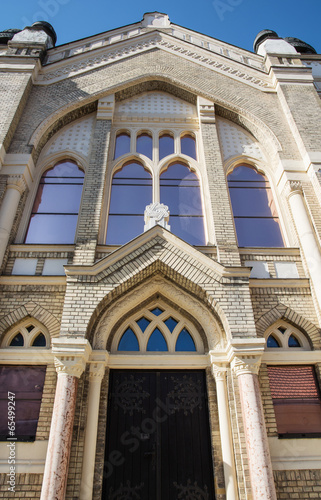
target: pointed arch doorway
158 444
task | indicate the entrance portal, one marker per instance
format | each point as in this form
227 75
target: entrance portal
158 444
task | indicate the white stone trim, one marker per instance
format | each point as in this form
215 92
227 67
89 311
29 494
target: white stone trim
295 454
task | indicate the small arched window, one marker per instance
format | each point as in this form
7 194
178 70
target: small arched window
28 334
144 145
131 191
255 216
166 145
188 146
55 210
286 337
122 144
180 191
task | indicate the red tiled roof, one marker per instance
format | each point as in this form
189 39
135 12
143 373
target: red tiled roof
293 382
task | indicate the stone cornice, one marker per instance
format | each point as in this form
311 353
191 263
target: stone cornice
122 49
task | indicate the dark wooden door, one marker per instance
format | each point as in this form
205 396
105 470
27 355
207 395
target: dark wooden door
158 443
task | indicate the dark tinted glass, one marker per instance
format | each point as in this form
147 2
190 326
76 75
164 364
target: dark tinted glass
40 341
166 145
26 382
122 145
188 146
17 341
180 191
272 342
171 323
157 342
293 341
157 311
128 342
185 342
143 323
255 216
131 191
55 209
258 232
144 145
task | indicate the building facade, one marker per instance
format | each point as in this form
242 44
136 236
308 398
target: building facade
160 266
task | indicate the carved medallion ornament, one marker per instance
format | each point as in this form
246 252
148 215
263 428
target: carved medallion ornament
125 492
186 395
129 395
191 491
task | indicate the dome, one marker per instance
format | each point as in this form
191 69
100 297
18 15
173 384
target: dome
47 28
300 46
262 36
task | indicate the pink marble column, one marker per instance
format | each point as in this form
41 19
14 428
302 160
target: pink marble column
258 452
70 362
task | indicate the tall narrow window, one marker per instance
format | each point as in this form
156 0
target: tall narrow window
131 191
166 145
122 144
144 145
55 210
255 215
180 190
188 146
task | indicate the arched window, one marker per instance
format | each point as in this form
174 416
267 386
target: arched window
188 145
286 337
157 329
122 144
28 334
255 216
180 191
131 191
144 145
166 145
55 210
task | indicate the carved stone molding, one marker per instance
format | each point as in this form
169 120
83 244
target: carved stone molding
16 182
246 365
206 111
105 109
71 355
147 42
156 213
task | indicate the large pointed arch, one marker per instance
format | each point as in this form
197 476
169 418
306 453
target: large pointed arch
157 287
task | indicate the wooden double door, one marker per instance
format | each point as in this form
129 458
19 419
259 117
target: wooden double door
158 444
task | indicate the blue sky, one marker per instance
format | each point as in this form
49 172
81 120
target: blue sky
233 21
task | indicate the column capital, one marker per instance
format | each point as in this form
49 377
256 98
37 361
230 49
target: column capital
71 355
219 371
16 181
293 187
98 362
246 365
245 355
